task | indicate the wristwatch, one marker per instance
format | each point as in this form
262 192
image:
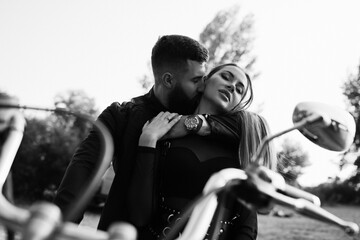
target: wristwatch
193 123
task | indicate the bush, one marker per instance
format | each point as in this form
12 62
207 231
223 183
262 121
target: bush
42 159
337 192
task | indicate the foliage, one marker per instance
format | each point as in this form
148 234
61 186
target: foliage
75 101
344 192
227 41
302 227
291 160
47 147
146 81
347 191
351 89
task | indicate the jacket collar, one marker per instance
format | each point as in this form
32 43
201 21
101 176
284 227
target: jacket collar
151 99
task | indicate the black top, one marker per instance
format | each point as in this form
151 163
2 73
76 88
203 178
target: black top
189 163
162 190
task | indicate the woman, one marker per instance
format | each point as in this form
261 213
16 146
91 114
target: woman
161 189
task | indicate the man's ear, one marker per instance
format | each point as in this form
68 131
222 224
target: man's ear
168 80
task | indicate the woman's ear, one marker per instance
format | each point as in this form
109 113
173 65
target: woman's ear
167 80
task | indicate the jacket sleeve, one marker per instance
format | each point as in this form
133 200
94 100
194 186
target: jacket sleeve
141 198
86 157
224 127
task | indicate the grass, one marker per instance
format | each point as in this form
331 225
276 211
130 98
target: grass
296 227
299 227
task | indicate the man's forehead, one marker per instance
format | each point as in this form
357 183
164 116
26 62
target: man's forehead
197 68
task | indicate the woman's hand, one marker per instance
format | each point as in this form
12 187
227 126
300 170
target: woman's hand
156 128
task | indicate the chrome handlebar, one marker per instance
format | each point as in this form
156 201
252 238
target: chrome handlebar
263 184
44 220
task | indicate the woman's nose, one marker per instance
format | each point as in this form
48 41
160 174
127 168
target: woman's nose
230 87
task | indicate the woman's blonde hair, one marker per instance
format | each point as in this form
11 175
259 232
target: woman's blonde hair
254 128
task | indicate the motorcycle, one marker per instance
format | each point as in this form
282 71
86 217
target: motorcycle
256 186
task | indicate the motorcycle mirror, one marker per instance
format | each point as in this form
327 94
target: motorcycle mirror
335 131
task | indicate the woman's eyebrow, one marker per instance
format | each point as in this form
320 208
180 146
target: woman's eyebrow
241 84
233 76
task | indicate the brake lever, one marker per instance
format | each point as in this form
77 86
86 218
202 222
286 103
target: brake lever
280 185
309 209
268 183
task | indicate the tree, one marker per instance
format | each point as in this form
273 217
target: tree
47 147
75 101
351 89
347 191
227 41
41 160
291 160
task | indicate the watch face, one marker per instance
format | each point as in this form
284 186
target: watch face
191 123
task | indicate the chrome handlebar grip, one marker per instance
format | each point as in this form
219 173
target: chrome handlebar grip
44 219
10 147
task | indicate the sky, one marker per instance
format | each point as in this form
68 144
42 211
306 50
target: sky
305 51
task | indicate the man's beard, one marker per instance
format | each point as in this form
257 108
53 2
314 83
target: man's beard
179 103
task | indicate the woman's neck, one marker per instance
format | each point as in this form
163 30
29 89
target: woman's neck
205 108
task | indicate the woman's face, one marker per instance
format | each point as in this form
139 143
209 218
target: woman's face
224 89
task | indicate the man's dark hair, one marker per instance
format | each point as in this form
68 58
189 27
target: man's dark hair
174 51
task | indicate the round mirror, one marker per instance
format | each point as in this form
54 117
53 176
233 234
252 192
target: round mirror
335 131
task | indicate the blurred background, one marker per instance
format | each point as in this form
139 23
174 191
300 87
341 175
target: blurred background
87 54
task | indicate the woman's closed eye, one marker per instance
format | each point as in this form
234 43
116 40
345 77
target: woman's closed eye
225 75
240 89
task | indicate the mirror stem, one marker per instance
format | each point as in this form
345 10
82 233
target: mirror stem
301 124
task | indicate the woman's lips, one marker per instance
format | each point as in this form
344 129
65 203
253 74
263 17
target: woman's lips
225 93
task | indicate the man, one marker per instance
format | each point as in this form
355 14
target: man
178 64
